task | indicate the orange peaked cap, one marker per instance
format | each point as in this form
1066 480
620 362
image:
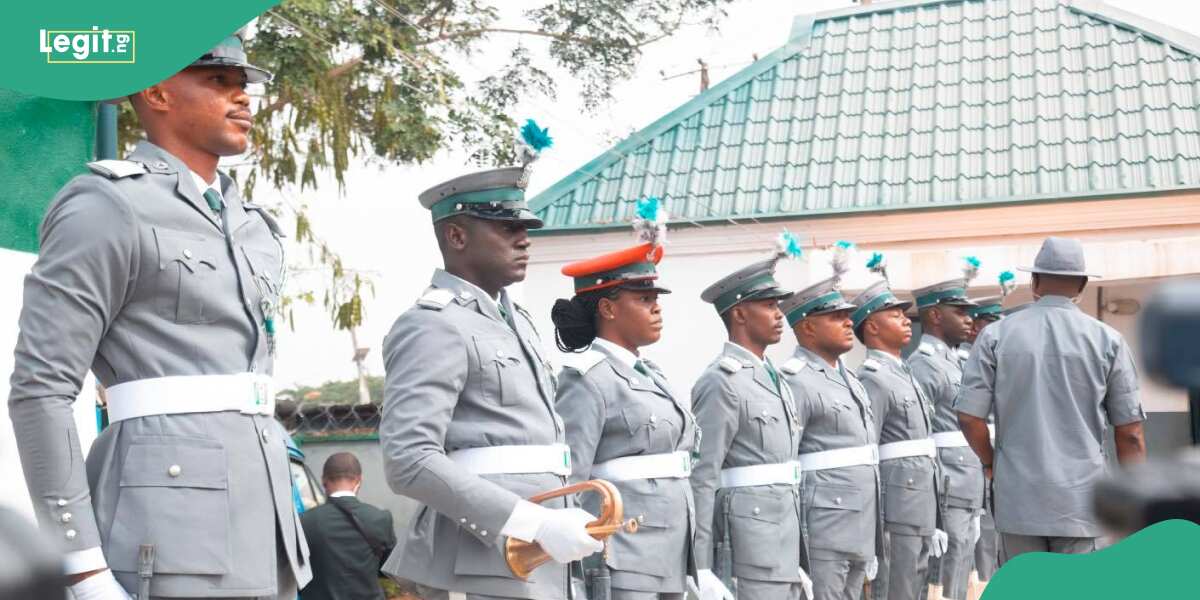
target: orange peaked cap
612 261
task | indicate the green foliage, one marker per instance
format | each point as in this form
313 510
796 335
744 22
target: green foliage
338 392
392 81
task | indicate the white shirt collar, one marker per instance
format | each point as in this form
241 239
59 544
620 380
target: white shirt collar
201 185
626 357
478 292
758 361
342 494
887 355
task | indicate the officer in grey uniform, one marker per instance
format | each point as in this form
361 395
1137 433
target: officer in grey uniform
469 428
838 451
937 367
988 310
624 424
156 275
1055 378
747 478
907 455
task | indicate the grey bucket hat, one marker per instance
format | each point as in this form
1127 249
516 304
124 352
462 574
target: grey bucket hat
1060 256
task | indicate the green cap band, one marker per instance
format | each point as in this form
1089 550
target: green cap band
640 270
933 298
745 291
987 309
861 313
499 198
801 311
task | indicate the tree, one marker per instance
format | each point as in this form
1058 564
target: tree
393 81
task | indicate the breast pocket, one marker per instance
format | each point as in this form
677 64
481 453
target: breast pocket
264 266
911 409
502 370
187 265
835 518
648 430
173 496
770 422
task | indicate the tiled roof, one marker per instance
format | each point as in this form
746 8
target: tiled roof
915 104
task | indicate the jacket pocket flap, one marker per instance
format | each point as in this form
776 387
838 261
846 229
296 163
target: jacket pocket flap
764 507
189 464
910 478
840 498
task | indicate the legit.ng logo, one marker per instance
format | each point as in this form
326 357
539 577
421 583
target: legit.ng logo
88 46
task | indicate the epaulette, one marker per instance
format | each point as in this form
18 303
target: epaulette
730 364
267 218
925 349
793 366
583 361
871 364
435 298
963 354
116 169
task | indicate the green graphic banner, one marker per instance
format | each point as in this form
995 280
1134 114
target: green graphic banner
1156 562
87 50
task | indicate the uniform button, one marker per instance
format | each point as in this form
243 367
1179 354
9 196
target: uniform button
641 518
653 419
266 436
960 458
61 502
472 526
174 470
764 412
756 510
483 533
462 520
70 534
837 500
499 354
65 518
910 482
187 253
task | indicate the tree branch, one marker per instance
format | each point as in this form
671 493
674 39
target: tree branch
533 32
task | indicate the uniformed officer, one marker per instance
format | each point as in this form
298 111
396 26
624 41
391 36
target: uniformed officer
907 465
624 424
988 310
155 274
1055 379
746 480
838 451
937 367
469 428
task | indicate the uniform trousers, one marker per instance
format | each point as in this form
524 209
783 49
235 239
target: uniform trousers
904 570
1012 544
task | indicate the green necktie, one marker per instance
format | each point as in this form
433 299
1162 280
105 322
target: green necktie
773 374
640 367
214 200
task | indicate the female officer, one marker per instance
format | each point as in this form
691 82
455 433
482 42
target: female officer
624 424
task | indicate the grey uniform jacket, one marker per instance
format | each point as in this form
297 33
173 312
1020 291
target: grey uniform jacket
842 508
938 369
459 375
902 413
610 410
1053 376
137 279
746 420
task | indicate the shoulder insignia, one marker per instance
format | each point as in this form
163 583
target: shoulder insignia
963 354
730 364
871 364
435 298
925 349
117 169
793 366
583 361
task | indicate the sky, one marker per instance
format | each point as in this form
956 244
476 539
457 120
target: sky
378 226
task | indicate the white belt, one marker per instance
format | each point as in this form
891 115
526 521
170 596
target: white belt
248 393
907 448
950 439
841 457
507 460
754 475
670 465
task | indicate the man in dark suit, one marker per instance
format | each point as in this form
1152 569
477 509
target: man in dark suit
349 538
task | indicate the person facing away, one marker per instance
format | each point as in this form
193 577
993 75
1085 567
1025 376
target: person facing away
348 539
1055 378
624 423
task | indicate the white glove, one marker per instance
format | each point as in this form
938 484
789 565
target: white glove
101 586
975 530
806 583
872 568
563 534
939 543
711 587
